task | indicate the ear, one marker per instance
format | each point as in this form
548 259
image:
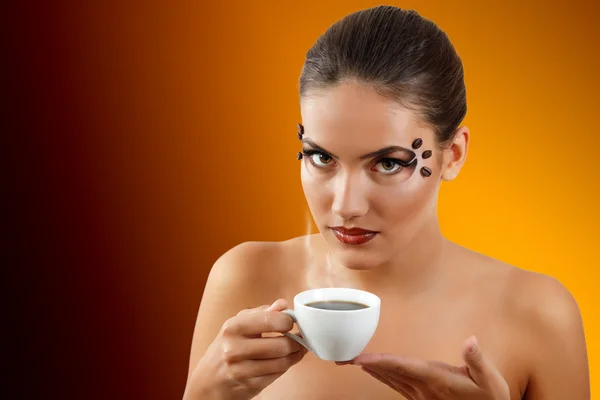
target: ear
455 155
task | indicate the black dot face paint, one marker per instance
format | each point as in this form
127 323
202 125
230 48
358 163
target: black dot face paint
425 171
416 144
299 134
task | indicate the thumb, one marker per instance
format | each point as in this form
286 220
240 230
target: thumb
483 373
476 364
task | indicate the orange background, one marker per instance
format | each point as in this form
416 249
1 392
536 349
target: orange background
160 134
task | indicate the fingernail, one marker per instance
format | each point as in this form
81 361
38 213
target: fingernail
474 346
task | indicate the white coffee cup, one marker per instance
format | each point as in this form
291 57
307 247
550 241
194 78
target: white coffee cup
335 335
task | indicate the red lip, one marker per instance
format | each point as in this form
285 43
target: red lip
353 235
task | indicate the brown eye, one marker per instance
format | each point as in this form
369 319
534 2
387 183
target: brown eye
320 159
387 166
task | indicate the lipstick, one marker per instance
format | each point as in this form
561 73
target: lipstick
354 236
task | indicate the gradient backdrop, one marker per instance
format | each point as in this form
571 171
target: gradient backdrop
150 137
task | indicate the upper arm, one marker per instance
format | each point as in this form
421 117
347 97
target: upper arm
559 365
235 282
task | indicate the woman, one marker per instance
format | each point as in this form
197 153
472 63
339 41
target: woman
382 98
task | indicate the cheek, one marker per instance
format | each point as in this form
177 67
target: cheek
405 203
317 193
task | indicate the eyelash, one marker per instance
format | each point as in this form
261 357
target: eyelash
310 153
401 163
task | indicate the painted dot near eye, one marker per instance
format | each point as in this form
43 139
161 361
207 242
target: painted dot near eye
417 143
426 154
425 171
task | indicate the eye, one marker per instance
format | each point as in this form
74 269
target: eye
318 159
388 166
321 159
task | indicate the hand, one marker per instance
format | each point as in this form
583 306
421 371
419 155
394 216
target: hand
418 379
240 363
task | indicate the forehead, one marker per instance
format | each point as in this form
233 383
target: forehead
354 117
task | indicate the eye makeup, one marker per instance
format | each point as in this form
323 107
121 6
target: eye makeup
379 156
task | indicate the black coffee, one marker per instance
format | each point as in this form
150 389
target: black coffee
337 305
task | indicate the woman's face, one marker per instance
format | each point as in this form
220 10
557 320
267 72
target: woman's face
350 182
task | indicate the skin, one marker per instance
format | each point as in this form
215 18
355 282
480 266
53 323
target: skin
454 324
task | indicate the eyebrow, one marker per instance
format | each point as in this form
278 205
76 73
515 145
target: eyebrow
388 150
374 154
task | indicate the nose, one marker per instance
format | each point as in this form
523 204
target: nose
349 199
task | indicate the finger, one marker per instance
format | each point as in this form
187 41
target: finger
405 366
256 368
476 364
376 376
390 376
254 310
278 305
404 389
446 367
259 349
416 372
251 324
480 370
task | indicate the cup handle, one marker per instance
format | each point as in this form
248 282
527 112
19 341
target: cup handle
297 338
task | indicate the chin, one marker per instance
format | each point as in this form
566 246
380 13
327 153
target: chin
357 258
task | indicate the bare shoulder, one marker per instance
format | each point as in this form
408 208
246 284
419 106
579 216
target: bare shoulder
552 335
548 329
543 301
244 267
533 295
257 269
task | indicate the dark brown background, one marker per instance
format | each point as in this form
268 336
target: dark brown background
145 139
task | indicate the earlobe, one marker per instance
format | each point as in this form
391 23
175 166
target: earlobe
455 155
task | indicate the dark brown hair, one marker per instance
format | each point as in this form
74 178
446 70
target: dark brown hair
403 56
